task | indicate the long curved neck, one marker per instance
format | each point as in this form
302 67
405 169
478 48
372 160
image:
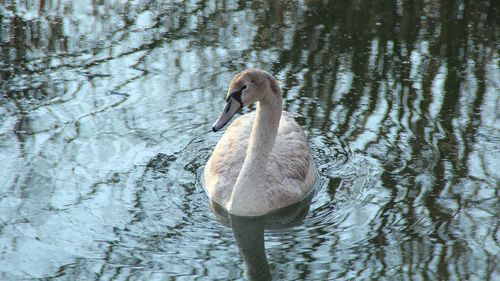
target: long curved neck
248 196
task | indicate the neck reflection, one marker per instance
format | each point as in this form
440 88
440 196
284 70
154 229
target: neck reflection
249 233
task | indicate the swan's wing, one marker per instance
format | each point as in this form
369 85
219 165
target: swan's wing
223 167
291 166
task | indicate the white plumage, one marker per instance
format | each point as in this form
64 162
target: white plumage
262 162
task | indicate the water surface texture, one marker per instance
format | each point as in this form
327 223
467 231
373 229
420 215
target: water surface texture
105 125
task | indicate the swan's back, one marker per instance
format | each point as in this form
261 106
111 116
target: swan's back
290 172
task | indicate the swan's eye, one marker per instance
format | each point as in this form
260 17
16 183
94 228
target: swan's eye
237 95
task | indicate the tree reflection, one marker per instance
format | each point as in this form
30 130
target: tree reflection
414 60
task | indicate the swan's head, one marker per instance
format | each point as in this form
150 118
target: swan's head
247 87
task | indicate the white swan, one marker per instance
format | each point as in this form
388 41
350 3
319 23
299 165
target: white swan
262 162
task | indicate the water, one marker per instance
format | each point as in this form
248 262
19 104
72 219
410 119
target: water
105 114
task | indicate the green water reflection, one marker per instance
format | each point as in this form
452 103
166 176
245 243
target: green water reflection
105 114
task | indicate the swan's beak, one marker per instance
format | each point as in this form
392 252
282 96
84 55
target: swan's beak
233 105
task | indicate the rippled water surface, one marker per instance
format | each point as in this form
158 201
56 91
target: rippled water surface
105 116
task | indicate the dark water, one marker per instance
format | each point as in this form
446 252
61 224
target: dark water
105 115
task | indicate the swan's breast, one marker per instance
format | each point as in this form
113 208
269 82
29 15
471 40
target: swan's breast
223 167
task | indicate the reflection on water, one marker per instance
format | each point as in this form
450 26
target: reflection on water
105 113
249 234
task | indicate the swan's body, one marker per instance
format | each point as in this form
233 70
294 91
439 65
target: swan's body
262 162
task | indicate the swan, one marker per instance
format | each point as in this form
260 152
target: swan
262 162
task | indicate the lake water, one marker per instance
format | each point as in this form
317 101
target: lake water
105 125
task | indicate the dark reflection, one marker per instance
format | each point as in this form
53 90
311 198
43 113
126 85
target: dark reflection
249 234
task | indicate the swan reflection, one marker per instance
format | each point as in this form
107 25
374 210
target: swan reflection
249 233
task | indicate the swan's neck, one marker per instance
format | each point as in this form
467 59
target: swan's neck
249 195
